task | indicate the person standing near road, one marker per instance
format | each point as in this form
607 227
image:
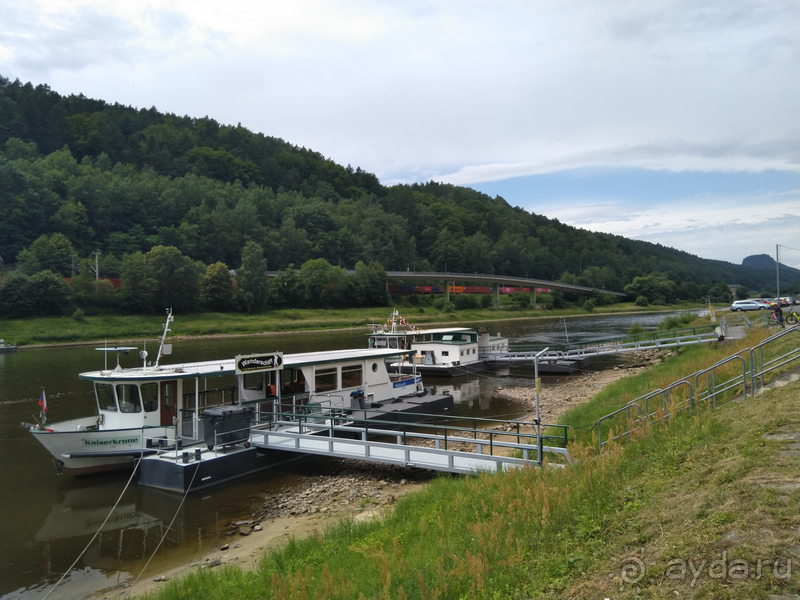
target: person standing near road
776 309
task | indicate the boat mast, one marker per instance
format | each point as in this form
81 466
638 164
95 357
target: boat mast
169 320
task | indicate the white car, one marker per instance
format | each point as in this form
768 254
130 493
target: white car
741 305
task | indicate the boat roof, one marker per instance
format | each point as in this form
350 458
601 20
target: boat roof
213 368
425 331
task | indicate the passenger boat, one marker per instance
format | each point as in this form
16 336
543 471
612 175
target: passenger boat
447 351
153 410
4 348
453 351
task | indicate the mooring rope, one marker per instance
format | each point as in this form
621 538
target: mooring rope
94 537
166 532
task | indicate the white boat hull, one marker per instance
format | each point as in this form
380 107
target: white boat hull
80 448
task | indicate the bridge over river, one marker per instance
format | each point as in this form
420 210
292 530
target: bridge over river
496 281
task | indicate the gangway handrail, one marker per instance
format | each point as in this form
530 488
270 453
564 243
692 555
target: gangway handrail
331 440
301 421
619 348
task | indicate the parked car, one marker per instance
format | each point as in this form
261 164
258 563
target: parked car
742 305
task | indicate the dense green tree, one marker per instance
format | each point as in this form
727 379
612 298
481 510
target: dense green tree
15 300
48 294
177 278
369 285
322 284
138 289
47 253
285 290
251 279
217 288
656 287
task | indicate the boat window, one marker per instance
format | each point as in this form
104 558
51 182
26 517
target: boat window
105 396
352 376
380 342
325 380
253 381
128 394
150 396
374 367
392 342
465 337
447 338
445 353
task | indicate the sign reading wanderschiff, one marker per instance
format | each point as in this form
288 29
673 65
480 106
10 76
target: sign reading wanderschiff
257 363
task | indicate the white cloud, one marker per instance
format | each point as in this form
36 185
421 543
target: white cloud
718 227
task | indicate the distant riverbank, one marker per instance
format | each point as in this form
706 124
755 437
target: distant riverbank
47 331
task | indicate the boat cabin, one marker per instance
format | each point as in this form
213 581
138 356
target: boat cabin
169 400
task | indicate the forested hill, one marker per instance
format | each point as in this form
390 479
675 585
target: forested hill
122 180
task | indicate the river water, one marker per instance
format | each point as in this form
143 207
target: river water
46 520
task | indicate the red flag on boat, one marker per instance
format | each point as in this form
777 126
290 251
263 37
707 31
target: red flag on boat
43 402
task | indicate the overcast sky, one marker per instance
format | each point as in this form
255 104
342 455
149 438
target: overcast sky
672 122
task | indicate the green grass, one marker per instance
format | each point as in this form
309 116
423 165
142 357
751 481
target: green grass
54 330
692 489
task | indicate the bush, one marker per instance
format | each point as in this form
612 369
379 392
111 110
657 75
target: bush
635 329
465 301
642 301
486 300
676 322
448 307
589 305
79 315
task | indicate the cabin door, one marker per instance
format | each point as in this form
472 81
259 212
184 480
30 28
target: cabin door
169 405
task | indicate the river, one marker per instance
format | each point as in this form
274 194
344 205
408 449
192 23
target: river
46 520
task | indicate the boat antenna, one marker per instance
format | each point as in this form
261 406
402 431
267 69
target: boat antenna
169 320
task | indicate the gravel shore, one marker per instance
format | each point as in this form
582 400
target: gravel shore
556 399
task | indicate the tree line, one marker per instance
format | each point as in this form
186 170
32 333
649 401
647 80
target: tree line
48 281
123 181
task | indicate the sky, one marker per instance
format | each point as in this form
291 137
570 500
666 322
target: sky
672 122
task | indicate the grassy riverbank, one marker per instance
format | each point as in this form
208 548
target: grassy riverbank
714 488
61 330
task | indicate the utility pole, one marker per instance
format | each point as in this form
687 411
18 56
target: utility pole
97 254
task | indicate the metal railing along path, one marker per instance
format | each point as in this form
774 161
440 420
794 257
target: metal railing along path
709 386
619 346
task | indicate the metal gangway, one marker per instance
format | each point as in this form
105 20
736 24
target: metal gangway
440 443
618 345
